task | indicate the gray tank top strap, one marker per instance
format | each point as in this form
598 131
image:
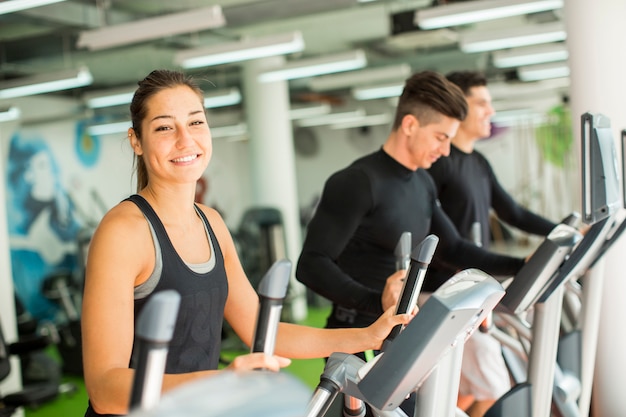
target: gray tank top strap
146 288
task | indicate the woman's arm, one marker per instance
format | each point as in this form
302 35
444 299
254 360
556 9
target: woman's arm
293 340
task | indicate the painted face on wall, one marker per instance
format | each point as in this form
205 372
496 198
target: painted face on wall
39 175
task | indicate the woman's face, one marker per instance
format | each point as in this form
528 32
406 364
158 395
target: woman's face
40 176
176 143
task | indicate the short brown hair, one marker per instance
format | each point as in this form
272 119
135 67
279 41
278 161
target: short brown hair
427 95
465 80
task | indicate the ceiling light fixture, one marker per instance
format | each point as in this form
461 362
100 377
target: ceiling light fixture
109 98
222 98
456 14
364 121
45 83
513 90
109 128
365 76
297 113
239 129
241 51
10 113
543 71
10 6
378 91
331 118
152 28
317 66
529 55
482 41
123 96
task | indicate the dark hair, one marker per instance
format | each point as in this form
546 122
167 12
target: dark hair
156 81
427 95
465 80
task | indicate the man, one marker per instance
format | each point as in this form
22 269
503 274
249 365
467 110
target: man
348 253
468 189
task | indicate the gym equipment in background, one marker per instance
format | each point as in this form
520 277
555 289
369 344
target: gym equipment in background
31 395
62 288
260 240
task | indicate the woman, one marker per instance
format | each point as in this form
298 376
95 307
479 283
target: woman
159 239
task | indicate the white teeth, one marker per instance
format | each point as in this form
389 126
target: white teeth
185 158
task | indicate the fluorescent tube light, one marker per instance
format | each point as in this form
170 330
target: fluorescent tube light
152 28
529 55
379 91
9 113
516 117
456 14
109 128
297 113
222 98
365 76
370 120
239 129
45 83
331 118
543 71
123 96
241 51
109 98
10 6
477 41
317 66
514 90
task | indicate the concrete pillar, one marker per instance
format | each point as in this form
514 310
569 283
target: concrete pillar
272 159
7 302
596 35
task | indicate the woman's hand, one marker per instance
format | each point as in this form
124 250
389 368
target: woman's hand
258 360
380 329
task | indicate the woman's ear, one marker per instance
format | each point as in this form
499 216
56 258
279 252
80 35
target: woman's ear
135 143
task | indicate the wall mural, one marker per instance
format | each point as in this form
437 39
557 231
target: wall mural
43 221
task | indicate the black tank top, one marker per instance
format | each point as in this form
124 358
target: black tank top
196 341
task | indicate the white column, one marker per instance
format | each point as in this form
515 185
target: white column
596 35
272 159
7 302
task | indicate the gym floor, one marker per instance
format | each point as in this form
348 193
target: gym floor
73 404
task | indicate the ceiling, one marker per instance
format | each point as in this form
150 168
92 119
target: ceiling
44 39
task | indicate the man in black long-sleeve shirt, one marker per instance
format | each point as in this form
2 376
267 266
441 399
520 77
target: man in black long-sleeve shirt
468 189
348 253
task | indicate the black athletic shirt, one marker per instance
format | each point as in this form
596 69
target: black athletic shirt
467 189
348 252
196 341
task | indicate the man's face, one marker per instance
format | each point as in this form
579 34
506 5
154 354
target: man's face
432 141
477 124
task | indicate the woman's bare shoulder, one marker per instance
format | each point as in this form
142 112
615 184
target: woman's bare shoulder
125 218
